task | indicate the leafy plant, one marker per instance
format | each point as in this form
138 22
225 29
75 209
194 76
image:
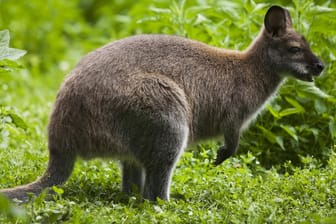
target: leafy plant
8 118
8 55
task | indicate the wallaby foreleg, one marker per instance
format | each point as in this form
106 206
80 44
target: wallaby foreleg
231 136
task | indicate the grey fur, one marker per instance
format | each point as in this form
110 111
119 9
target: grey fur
142 99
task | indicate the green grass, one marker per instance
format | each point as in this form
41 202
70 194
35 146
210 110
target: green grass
238 191
286 166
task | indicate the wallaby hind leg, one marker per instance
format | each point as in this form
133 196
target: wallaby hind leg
157 182
132 177
166 152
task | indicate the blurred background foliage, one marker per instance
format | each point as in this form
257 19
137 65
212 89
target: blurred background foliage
300 122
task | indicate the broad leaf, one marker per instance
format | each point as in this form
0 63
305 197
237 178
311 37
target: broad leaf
11 53
17 120
5 51
291 131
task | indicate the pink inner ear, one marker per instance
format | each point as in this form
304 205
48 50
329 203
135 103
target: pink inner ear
288 18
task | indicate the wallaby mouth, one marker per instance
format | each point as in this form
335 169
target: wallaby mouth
305 76
310 72
309 78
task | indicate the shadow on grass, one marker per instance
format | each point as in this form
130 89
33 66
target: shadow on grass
94 192
106 194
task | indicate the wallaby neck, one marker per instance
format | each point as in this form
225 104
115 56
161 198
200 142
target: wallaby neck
244 82
256 56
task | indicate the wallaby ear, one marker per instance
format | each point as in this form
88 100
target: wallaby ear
277 19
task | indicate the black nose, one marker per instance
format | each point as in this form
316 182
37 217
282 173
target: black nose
319 66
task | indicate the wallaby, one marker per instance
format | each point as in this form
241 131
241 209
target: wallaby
142 99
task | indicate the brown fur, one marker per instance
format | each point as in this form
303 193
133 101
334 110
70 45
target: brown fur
143 98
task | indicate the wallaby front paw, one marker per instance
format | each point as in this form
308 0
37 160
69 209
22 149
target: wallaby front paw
222 154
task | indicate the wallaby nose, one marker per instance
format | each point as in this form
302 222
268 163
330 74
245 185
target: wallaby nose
319 66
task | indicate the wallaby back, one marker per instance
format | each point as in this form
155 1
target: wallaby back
143 98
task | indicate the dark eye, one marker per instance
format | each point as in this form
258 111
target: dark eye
294 50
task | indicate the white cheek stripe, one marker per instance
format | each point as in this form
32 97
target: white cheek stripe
300 68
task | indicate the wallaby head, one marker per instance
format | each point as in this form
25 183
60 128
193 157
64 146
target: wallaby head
288 50
142 99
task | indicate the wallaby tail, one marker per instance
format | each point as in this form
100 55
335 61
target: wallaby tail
60 167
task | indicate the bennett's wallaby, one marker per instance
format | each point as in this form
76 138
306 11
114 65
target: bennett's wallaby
143 98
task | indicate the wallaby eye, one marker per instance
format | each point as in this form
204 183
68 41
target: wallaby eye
294 50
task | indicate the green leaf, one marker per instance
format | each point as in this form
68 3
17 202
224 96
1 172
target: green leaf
18 121
289 111
279 141
159 10
57 190
7 65
200 19
273 112
268 134
4 38
271 137
295 104
312 90
14 118
320 106
332 127
291 131
5 51
11 53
